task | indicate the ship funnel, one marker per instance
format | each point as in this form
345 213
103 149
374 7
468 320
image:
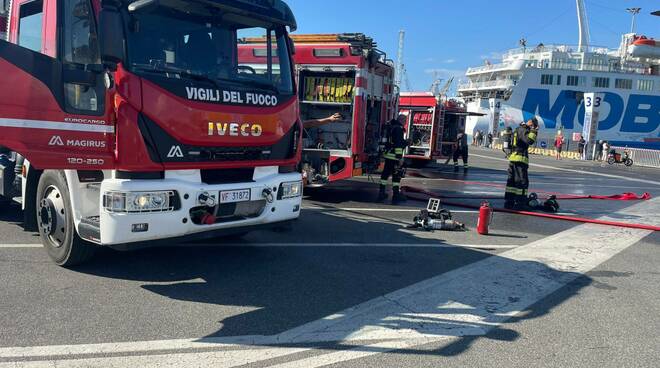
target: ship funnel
583 26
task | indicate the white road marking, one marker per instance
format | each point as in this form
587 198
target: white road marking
627 187
577 171
469 301
340 245
363 245
216 359
357 209
358 352
28 245
329 245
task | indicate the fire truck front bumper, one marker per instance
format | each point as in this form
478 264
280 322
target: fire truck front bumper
181 206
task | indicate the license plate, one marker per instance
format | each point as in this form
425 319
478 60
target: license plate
234 196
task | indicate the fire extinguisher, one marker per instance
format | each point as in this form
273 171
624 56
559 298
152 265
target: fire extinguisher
485 218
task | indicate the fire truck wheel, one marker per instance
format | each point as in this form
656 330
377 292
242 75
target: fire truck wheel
55 222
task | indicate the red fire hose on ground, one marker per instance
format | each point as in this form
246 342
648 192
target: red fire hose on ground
626 196
560 196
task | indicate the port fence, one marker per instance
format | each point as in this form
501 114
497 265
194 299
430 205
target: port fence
642 157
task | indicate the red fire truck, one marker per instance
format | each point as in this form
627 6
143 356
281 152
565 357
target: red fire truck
432 127
346 74
124 122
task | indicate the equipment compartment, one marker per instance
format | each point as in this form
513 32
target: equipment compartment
323 94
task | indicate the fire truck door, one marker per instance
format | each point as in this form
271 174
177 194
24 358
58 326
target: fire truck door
54 107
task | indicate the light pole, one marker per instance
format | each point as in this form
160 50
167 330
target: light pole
634 12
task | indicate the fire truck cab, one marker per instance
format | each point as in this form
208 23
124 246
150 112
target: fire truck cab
123 122
432 126
345 74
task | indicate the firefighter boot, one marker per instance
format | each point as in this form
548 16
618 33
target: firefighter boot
455 167
382 194
397 196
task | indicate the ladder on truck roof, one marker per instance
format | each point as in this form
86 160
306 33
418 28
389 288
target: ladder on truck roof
355 39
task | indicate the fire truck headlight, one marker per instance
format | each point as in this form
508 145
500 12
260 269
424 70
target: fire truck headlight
291 189
138 202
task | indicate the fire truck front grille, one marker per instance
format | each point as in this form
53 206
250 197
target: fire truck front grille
162 147
228 176
239 211
232 153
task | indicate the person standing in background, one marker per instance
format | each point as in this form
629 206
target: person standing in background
606 151
475 138
599 151
581 144
559 145
461 150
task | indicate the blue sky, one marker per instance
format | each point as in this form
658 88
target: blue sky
449 36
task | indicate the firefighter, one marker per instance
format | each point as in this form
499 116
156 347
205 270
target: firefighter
461 150
393 155
518 182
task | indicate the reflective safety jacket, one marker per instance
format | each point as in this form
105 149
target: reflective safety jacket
522 139
396 144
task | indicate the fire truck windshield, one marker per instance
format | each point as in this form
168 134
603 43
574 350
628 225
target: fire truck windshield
182 46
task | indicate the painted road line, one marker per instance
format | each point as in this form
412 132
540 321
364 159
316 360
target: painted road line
217 359
576 184
469 301
356 353
357 209
655 183
27 245
364 245
329 245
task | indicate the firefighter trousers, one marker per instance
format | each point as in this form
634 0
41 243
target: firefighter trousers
517 184
392 170
463 153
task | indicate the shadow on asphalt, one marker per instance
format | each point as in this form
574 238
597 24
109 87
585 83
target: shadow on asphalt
286 287
10 213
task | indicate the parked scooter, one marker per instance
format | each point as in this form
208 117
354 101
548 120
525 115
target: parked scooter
618 158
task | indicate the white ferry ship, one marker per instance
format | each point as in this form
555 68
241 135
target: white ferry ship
549 80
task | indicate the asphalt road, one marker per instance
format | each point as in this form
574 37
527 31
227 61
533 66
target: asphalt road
350 286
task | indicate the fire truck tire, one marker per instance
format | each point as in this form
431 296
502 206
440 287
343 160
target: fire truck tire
55 222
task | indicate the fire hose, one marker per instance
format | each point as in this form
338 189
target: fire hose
409 190
560 196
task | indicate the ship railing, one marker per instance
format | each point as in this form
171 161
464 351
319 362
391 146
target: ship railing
504 83
490 67
571 64
594 67
642 157
558 48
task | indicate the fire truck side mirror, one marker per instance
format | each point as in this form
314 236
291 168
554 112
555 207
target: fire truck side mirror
111 37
